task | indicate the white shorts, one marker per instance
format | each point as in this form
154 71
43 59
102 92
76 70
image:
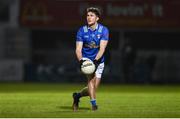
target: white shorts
99 70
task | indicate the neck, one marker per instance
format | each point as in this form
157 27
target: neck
93 27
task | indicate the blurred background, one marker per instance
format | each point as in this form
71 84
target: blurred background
37 40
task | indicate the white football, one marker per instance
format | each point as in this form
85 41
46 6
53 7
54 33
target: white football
87 67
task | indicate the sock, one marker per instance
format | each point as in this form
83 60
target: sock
93 102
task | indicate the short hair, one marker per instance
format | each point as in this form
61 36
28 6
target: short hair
94 10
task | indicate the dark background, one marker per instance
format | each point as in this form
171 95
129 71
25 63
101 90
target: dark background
37 40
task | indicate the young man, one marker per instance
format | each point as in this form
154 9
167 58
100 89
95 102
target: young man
91 42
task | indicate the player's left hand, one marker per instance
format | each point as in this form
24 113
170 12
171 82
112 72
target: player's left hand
96 63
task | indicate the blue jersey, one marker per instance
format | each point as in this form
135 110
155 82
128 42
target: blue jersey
91 40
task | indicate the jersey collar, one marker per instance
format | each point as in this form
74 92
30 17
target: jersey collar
89 28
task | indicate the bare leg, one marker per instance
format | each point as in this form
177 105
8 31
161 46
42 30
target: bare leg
84 92
97 82
90 91
91 88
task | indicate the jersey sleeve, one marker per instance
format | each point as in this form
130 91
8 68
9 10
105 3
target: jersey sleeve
79 35
105 34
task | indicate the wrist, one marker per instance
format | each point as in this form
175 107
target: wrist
95 61
80 59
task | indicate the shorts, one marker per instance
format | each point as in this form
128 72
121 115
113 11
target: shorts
99 70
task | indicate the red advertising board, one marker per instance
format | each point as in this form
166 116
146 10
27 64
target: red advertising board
69 14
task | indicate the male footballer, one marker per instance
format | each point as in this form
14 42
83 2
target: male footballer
91 42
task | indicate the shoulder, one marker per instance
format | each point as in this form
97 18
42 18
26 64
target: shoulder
83 28
104 28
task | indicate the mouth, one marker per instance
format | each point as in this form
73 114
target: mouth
88 20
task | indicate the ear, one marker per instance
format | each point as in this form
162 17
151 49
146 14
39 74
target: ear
97 18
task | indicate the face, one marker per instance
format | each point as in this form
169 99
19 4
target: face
91 18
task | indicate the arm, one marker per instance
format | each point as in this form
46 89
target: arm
79 50
103 43
102 48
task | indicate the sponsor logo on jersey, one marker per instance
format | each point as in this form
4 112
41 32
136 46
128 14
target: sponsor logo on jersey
92 44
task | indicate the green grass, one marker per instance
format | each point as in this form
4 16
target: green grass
55 100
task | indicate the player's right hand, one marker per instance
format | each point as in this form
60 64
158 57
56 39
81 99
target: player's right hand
81 62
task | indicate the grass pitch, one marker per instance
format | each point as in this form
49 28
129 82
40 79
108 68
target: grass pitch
55 100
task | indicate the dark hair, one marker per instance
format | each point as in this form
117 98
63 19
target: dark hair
95 10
